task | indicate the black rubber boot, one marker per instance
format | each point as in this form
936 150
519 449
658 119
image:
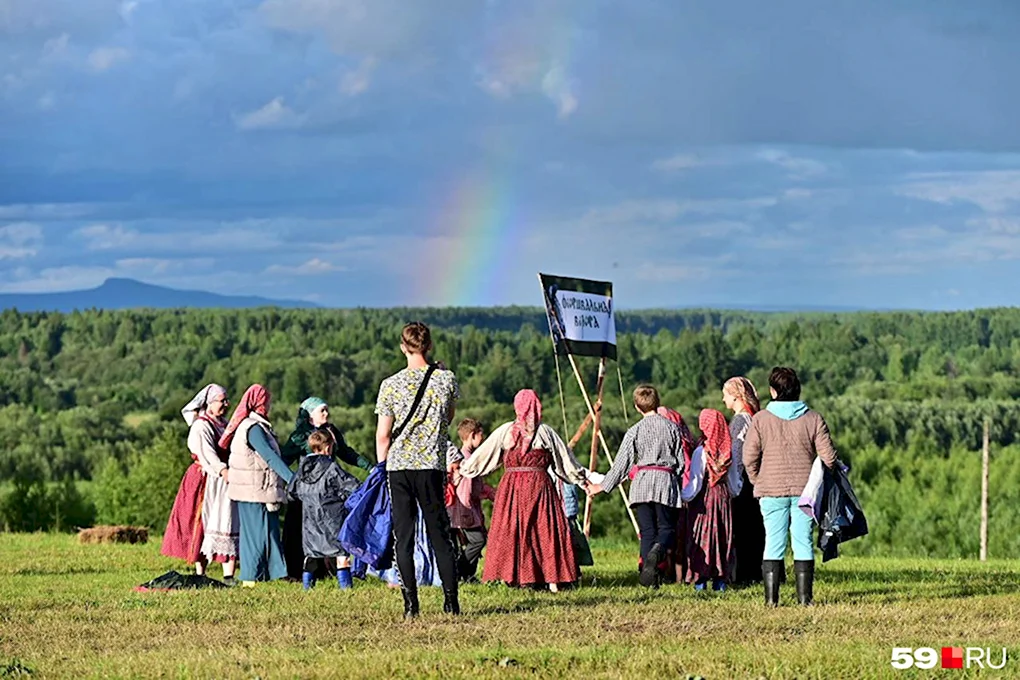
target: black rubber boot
451 602
649 576
411 607
771 571
804 570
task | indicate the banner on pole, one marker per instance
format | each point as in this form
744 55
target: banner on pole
580 314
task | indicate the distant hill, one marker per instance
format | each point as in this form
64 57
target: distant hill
131 294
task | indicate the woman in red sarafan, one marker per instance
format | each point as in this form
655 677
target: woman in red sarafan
196 511
710 550
529 540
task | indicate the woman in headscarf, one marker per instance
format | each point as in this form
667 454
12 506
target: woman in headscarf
679 556
203 525
741 397
313 415
710 554
258 483
529 540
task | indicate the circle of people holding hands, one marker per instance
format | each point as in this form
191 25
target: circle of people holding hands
711 513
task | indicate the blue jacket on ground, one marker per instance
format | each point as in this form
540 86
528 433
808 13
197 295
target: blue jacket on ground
367 533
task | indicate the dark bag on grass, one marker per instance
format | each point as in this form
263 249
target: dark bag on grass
175 581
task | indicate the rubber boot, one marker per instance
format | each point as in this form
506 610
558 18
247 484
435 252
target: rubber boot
411 608
451 602
343 579
649 576
308 579
770 573
804 570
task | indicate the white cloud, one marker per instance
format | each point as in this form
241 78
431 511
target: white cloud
993 191
55 279
104 58
55 48
681 161
107 237
797 167
20 241
275 115
127 9
313 267
559 88
357 80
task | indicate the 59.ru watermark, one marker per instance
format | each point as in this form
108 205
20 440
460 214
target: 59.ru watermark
927 658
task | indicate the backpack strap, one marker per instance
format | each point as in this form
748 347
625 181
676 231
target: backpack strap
417 402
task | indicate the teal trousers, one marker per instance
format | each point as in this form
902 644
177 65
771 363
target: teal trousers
782 516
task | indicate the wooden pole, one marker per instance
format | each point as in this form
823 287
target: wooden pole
591 415
984 493
580 431
602 439
597 421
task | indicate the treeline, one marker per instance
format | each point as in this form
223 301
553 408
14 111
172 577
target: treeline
91 396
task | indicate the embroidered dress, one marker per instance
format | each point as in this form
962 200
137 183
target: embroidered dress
529 538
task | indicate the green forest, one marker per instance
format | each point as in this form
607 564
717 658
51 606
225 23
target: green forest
90 430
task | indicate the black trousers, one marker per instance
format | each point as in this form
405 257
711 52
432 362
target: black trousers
472 543
409 491
657 523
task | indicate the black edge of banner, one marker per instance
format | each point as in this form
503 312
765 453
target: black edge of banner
580 348
578 285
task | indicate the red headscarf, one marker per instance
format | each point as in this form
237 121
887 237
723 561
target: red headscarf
255 400
717 446
528 408
686 438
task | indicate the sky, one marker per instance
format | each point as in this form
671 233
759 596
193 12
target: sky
791 153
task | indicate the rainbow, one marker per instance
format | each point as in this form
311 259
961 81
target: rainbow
474 232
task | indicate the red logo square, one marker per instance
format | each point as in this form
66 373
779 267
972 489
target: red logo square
952 657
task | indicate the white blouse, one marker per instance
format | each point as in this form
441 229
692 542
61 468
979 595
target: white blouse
489 456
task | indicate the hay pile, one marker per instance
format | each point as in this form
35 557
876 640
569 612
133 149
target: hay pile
113 535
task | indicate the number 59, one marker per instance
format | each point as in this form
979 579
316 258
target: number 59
924 658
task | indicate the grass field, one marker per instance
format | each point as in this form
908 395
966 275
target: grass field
69 610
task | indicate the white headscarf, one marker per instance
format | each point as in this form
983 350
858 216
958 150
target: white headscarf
208 394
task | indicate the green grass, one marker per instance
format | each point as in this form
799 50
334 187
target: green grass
69 610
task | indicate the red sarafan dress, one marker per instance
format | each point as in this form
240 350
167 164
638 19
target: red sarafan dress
529 539
710 548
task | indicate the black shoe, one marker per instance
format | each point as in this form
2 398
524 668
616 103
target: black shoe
771 571
451 602
411 608
804 570
649 576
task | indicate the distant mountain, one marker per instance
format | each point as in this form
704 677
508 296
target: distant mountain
131 294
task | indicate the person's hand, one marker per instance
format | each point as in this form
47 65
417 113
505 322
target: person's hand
224 473
593 489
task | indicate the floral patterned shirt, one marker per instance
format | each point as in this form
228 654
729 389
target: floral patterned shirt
423 442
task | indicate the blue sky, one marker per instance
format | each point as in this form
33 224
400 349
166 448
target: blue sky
384 152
